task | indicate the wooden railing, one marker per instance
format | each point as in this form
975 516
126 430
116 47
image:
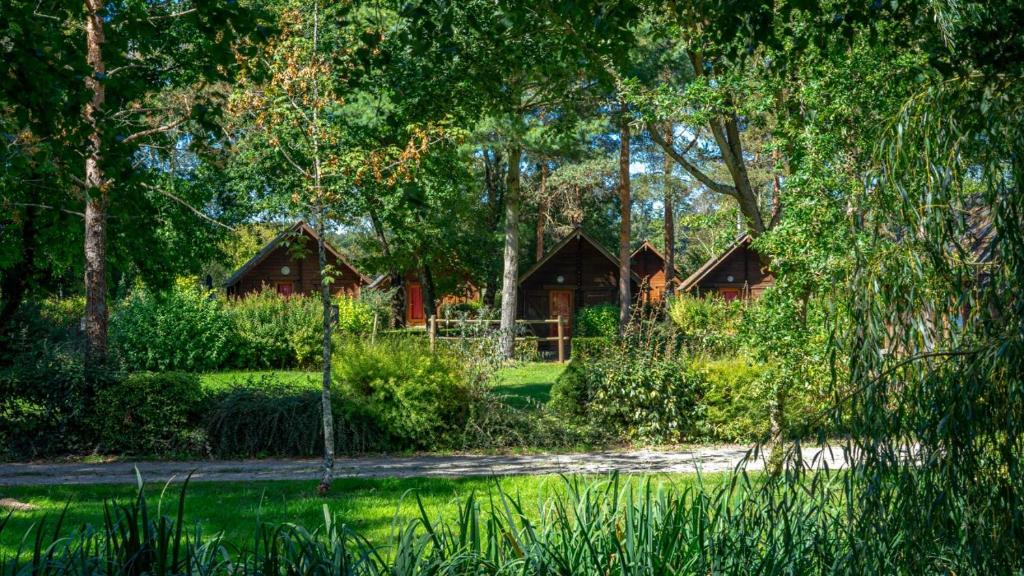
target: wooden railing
433 322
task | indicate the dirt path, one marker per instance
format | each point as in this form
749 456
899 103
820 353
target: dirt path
705 459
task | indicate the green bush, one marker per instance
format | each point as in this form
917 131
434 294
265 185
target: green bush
601 320
147 413
45 400
737 402
708 325
355 316
260 416
592 346
183 329
417 398
634 393
263 324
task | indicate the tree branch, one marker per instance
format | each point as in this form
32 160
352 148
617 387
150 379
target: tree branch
690 167
157 130
195 210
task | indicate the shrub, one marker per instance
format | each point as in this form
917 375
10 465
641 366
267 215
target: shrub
592 346
416 397
636 392
708 325
737 402
601 320
148 413
183 329
45 399
260 416
262 324
355 316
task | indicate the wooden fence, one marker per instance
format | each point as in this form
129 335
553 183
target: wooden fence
562 338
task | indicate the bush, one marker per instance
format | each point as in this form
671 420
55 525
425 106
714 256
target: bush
635 393
418 399
262 417
355 316
45 399
263 324
148 413
183 329
708 325
592 346
737 402
600 321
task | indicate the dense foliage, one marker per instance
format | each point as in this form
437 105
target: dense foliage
597 321
161 411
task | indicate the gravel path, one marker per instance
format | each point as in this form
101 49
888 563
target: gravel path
705 459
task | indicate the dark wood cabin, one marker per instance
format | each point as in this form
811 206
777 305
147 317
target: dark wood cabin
576 273
649 264
415 314
735 273
288 265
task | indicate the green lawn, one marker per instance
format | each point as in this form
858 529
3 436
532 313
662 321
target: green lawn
371 506
521 383
529 381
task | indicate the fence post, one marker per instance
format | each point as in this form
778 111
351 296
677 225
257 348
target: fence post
373 334
432 329
561 342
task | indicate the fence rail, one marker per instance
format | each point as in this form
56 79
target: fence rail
433 322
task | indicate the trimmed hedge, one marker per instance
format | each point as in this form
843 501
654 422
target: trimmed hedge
148 413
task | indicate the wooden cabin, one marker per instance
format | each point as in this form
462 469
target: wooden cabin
288 265
415 314
735 273
649 264
576 273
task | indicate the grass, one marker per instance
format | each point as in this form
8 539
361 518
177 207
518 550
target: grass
528 382
374 507
522 383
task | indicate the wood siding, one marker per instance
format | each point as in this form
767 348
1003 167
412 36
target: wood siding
304 273
588 273
650 267
744 266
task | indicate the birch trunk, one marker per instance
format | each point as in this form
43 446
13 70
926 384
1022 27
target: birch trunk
670 221
625 212
96 193
510 277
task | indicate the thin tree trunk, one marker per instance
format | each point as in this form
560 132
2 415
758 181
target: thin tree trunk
96 193
625 211
495 200
398 301
510 277
670 221
325 282
15 281
542 211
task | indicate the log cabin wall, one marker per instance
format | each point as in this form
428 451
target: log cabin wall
744 268
650 267
586 272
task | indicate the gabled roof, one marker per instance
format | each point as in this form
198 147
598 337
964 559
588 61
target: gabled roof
713 263
648 246
583 236
298 227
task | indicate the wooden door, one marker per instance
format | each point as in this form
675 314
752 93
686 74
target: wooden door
414 304
729 294
560 303
285 288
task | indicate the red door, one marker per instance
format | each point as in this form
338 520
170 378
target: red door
415 304
285 288
560 304
729 294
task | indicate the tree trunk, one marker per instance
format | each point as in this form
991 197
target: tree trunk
325 393
427 288
96 193
495 203
398 300
327 412
542 211
670 221
16 279
625 211
510 277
